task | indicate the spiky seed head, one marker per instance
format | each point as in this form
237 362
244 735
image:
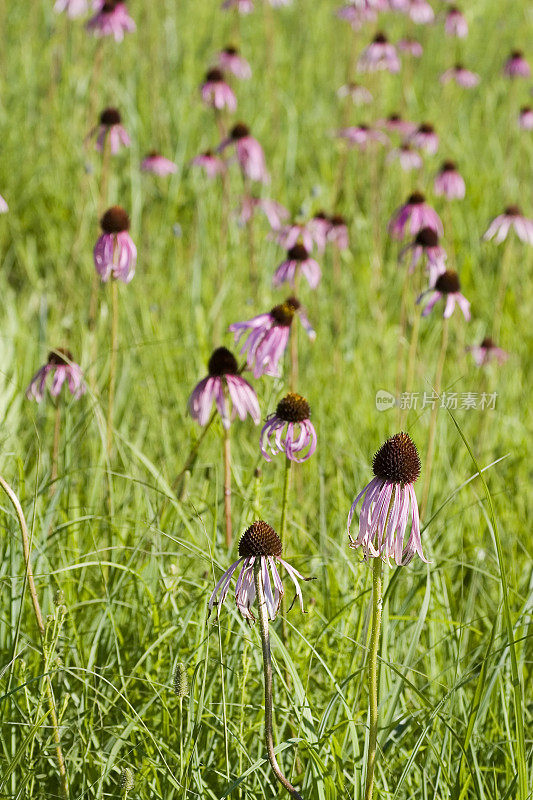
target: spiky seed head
448 282
427 237
397 461
110 116
293 408
260 539
180 682
127 780
115 220
222 362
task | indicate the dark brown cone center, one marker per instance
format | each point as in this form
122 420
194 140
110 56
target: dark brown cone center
222 362
380 38
416 199
513 211
337 220
230 51
110 5
293 408
426 237
397 461
448 166
115 220
283 314
448 282
60 357
426 127
110 116
260 539
214 76
298 253
239 131
488 343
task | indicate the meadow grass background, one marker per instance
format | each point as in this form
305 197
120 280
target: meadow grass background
135 578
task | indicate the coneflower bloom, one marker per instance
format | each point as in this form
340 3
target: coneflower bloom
414 215
395 124
230 60
379 55
361 135
216 93
273 211
158 164
289 235
421 12
525 119
110 125
212 164
298 262
319 226
401 6
4 208
249 153
242 6
462 76
488 351
425 138
260 541
412 47
289 430
357 93
516 66
448 288
408 158
449 183
338 232
511 218
74 8
356 15
115 254
267 336
223 383
455 24
62 366
112 19
389 501
426 245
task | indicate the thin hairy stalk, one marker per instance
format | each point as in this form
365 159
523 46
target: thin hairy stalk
40 624
55 448
267 671
191 458
373 675
401 336
411 357
286 484
113 365
505 268
433 420
227 485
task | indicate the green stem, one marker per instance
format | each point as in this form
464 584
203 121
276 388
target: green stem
433 420
373 676
227 485
113 366
286 483
267 671
55 449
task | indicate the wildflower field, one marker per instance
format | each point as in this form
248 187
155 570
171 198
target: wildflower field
355 184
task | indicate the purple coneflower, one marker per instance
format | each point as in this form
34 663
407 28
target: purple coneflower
412 47
446 287
421 12
462 76
395 124
361 135
449 183
426 245
455 24
223 383
414 215
273 211
511 218
389 500
110 125
289 430
267 336
425 138
516 66
242 6
62 366
298 262
115 254
488 351
401 6
338 232
158 164
112 20
525 119
230 61
210 163
319 226
409 159
289 235
216 93
356 15
260 541
249 153
358 94
74 8
379 55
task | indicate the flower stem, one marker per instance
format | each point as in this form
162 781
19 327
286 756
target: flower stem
286 484
373 676
40 624
433 420
55 449
502 289
227 485
411 357
113 365
267 671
